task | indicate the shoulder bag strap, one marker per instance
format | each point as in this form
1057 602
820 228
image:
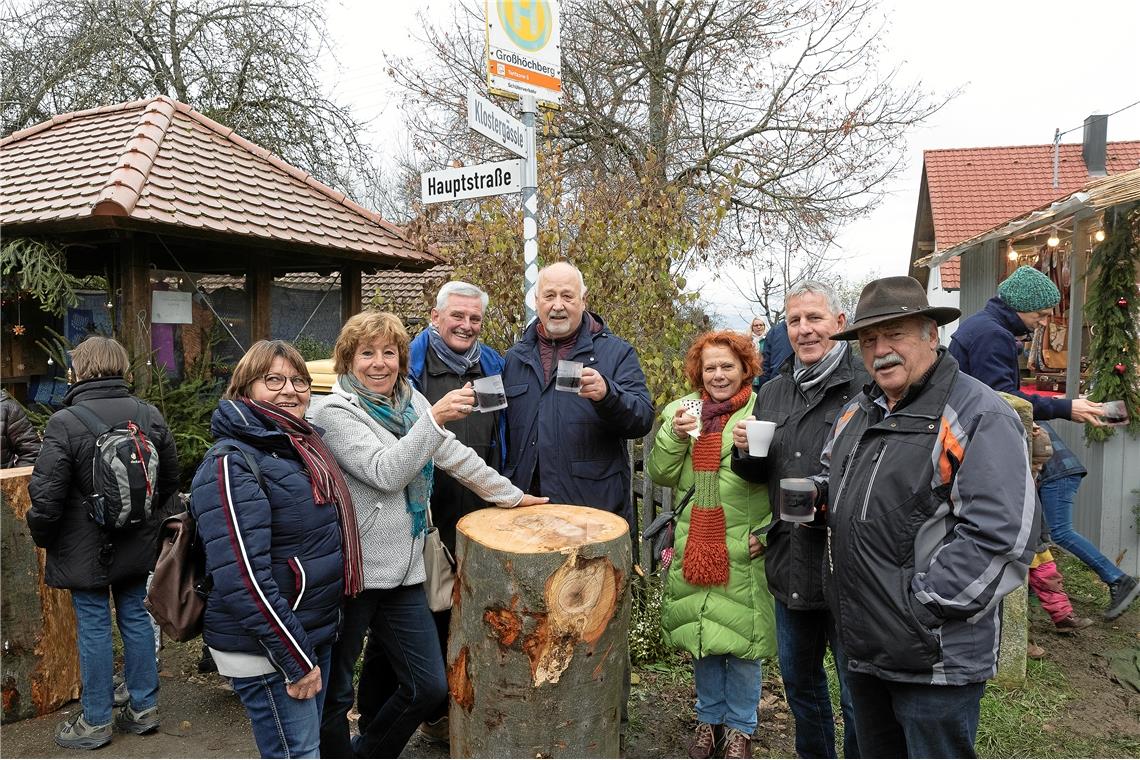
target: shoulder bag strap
249 462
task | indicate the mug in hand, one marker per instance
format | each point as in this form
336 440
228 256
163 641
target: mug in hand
569 377
489 394
760 434
1115 413
797 499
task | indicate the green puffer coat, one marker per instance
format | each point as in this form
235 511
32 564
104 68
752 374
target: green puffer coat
736 619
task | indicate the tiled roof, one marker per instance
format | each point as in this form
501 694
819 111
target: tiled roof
974 189
160 161
400 291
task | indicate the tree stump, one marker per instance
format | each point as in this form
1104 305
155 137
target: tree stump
539 642
40 659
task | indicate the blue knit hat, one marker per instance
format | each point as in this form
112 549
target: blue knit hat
1029 290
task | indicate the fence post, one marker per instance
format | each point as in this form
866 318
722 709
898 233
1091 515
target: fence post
644 558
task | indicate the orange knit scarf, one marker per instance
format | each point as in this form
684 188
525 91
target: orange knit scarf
706 551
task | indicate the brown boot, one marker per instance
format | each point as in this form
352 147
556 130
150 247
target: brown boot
706 740
737 744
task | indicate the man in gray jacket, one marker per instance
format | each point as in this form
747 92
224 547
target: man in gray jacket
931 517
803 399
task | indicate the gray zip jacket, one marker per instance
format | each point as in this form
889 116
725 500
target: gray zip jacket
932 516
378 466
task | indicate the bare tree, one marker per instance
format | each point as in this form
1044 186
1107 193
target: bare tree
786 102
250 64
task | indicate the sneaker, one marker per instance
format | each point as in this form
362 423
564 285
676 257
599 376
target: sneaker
122 694
1121 594
1072 623
1033 651
77 733
436 731
137 722
706 740
737 744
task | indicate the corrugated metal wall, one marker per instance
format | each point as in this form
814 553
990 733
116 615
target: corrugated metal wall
981 272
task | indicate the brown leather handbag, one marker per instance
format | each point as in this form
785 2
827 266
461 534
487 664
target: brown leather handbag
176 598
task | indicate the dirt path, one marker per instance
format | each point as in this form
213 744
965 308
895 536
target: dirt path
203 718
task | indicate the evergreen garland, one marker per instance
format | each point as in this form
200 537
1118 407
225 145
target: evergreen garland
1113 308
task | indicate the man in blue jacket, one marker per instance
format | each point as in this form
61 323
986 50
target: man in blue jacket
571 446
445 356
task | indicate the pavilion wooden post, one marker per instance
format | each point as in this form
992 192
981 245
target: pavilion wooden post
259 284
40 660
351 296
539 637
134 302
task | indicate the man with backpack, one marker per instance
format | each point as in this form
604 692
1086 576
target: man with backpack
108 463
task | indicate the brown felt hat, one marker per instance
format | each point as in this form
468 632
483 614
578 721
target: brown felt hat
891 298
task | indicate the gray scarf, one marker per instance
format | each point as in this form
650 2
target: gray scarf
809 377
458 363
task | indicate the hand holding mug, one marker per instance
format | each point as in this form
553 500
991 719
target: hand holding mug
455 405
683 423
740 434
593 385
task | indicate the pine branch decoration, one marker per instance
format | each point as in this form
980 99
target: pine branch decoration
1113 308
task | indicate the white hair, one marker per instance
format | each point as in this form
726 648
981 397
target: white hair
803 287
459 288
581 280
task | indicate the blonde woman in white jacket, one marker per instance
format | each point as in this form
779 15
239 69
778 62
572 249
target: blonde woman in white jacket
387 439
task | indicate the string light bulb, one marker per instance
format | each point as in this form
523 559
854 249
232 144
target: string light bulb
1099 235
1012 255
1053 240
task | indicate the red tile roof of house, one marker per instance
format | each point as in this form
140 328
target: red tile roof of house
161 161
974 189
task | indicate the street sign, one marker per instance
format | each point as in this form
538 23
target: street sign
524 48
472 181
487 118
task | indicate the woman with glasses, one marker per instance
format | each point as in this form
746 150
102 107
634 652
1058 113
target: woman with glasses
388 439
95 564
276 519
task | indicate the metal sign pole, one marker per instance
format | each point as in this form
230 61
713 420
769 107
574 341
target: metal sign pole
530 206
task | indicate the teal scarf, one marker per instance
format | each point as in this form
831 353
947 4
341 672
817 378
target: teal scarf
397 415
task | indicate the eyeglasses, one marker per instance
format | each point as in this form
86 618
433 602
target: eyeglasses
277 382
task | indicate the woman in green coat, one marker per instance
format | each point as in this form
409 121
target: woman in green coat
717 605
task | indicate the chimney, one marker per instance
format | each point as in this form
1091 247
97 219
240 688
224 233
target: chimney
1093 144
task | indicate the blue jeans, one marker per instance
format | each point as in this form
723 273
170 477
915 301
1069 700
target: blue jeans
914 720
728 691
401 626
96 655
284 726
1057 504
803 637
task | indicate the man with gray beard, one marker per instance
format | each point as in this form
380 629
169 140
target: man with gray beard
931 518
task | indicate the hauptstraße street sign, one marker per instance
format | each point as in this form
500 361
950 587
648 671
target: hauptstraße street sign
471 181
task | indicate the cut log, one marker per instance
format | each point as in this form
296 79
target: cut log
40 659
539 643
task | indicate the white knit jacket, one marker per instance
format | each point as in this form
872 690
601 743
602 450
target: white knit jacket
378 466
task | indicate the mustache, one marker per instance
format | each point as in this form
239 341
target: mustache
890 360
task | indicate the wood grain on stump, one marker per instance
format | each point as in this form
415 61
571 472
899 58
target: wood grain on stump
40 659
539 632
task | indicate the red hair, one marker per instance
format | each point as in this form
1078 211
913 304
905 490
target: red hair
739 344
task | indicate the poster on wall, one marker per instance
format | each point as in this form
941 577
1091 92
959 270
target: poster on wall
171 307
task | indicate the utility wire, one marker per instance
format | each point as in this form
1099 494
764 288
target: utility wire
1081 126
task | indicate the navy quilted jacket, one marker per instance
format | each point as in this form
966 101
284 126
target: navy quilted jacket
274 555
985 347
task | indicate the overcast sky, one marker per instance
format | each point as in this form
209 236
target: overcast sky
1025 67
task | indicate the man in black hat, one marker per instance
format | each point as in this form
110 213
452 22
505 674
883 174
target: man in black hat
931 518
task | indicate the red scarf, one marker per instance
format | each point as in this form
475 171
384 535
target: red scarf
328 484
706 550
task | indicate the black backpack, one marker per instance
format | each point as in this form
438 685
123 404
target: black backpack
124 470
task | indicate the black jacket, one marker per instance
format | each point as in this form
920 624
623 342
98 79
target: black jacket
59 520
19 444
794 554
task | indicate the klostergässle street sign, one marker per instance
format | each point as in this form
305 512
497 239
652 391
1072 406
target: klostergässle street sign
472 181
488 119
